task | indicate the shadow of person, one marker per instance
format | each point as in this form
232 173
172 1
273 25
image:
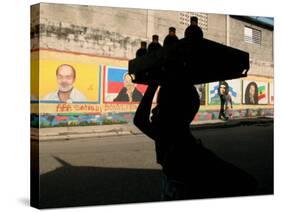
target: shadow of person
70 186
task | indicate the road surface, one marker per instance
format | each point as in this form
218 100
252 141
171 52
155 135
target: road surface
110 170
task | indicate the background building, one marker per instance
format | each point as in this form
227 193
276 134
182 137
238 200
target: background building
99 41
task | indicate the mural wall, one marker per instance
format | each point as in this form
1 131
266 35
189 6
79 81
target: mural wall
234 90
271 93
78 90
255 92
119 88
63 81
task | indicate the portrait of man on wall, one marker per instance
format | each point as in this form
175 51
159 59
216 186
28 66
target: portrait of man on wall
66 92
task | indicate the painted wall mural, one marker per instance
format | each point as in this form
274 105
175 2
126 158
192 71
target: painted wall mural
255 92
119 88
68 82
271 93
76 90
234 90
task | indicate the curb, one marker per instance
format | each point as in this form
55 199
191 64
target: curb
69 133
234 123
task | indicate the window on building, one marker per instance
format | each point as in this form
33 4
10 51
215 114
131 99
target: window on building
252 35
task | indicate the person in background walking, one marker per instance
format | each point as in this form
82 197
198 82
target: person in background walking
222 91
228 105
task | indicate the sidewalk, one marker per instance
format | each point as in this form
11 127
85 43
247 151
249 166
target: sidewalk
68 133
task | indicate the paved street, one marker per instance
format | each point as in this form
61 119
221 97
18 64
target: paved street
122 169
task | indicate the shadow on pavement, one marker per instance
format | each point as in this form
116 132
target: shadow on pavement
70 186
80 186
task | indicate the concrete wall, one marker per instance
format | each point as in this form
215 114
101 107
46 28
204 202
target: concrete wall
94 30
107 31
216 28
261 55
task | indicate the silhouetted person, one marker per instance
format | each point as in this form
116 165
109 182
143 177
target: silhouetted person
189 169
174 142
185 162
222 92
193 31
142 50
171 38
170 131
154 45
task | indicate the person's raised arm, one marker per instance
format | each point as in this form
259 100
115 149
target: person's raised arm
142 115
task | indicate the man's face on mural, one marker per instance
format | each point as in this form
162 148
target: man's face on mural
65 78
128 83
252 90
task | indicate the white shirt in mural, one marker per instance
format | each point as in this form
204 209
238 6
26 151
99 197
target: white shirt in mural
75 96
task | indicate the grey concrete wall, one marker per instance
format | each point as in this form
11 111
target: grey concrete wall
97 30
164 19
216 28
114 32
261 55
117 32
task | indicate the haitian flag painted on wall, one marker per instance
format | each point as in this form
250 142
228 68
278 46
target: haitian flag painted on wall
118 86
